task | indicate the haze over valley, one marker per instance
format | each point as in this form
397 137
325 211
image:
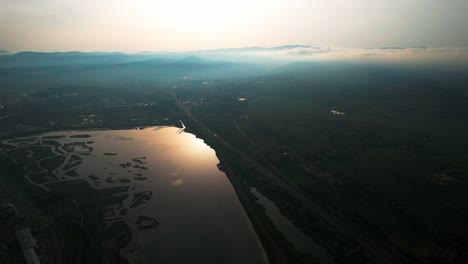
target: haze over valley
233 132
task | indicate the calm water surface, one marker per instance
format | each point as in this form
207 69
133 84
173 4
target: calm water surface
181 208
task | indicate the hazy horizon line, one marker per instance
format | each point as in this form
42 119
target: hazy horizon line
285 53
292 46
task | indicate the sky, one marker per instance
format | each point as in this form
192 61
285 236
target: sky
182 25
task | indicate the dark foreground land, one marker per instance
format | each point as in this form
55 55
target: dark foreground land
382 180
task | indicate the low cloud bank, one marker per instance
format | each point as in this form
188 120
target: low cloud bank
384 54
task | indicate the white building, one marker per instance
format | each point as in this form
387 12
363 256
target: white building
28 245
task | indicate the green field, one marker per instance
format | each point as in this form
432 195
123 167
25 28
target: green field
398 157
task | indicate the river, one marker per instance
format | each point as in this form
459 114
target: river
181 208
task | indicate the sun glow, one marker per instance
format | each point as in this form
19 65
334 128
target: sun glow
202 18
195 13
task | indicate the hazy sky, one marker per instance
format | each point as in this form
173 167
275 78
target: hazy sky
137 25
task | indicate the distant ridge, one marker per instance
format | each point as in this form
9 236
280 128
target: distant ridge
64 53
401 48
82 53
75 58
243 49
92 60
258 48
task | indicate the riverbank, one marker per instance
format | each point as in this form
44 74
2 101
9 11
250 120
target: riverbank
273 242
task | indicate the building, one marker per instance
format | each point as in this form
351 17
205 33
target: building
28 245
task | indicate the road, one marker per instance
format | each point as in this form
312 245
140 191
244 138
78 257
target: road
338 223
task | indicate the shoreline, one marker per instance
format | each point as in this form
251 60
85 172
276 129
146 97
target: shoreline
275 253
